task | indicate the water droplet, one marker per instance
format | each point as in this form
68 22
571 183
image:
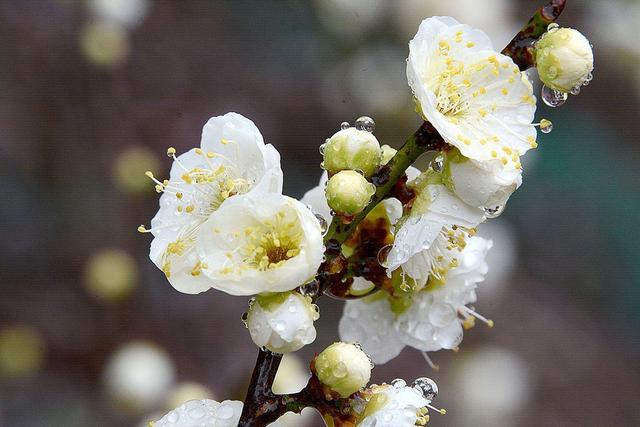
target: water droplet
552 97
173 417
399 383
245 319
383 253
437 164
589 77
345 125
280 326
546 126
309 289
322 148
552 26
575 91
340 370
427 387
324 227
365 123
494 212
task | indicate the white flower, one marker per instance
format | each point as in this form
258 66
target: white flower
197 413
125 12
481 184
343 367
259 242
476 98
434 318
282 322
564 59
428 242
394 406
232 160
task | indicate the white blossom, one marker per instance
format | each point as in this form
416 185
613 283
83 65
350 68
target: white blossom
232 160
476 98
432 321
429 240
481 184
259 242
394 406
283 322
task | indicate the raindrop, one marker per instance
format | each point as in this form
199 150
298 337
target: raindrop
546 126
552 26
309 289
245 319
494 212
553 98
322 148
575 91
345 125
365 123
437 164
427 387
383 253
324 227
398 383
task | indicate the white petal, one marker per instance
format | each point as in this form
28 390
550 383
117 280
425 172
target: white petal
370 323
197 413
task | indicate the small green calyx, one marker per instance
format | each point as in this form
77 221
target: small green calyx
352 148
348 192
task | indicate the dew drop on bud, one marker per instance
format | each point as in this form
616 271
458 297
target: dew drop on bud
427 387
345 125
322 147
365 123
494 212
552 26
575 91
553 98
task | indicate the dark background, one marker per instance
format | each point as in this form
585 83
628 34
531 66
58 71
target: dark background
91 97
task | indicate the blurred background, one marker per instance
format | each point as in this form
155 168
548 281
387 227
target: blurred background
92 92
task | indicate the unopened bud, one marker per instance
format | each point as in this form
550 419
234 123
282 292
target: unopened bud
282 322
344 368
352 149
564 59
348 192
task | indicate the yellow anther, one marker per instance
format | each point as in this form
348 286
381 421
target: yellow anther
142 229
211 154
505 91
198 151
471 44
490 323
171 151
224 141
149 174
190 208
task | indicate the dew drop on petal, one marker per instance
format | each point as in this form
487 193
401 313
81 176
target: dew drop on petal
546 126
494 212
322 148
324 227
552 97
345 125
427 387
383 253
365 123
398 383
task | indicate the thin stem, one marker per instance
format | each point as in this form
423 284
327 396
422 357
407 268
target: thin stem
260 408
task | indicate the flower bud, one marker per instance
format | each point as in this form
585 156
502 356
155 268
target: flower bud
343 367
282 322
348 192
352 148
564 59
480 184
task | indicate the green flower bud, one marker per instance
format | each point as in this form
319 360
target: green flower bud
352 148
348 192
344 368
564 59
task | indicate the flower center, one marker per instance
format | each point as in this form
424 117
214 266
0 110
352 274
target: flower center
273 242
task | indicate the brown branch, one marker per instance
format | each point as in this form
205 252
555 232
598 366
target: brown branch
261 406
